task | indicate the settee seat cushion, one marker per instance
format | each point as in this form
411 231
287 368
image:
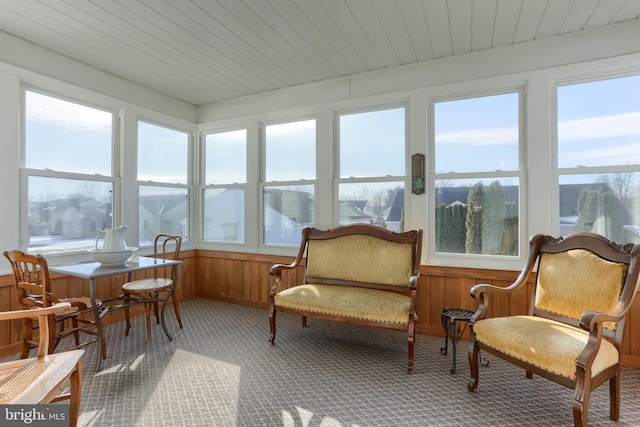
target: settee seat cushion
545 343
348 301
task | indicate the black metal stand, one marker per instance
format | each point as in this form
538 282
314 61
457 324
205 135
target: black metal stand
452 330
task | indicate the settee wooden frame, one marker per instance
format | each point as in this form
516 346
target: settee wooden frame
598 325
380 237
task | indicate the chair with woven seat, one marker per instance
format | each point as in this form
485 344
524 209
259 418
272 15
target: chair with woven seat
41 379
583 288
157 289
33 290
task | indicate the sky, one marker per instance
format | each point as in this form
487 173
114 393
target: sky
599 125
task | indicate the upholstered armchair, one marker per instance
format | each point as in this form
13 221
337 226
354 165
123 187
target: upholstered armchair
583 287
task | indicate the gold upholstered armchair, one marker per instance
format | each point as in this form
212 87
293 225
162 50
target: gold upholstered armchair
582 290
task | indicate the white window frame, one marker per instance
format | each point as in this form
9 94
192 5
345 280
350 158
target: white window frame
337 179
207 186
191 173
478 260
556 171
263 184
26 173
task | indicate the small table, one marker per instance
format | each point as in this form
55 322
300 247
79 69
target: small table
93 270
452 331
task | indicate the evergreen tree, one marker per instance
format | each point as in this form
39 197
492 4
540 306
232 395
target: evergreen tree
475 201
494 213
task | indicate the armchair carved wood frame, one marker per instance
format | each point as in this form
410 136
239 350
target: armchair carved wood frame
583 288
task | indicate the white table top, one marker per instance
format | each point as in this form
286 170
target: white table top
93 270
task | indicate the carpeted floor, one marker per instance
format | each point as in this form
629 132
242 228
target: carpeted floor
221 370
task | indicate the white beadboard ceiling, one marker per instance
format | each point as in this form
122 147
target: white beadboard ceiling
203 51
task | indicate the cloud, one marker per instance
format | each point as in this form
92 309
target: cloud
620 125
486 136
60 113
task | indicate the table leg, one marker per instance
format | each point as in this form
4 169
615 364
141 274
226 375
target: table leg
102 348
164 304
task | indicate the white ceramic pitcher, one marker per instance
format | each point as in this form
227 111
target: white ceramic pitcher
113 239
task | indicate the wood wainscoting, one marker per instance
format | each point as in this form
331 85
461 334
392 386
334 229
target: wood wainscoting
243 278
105 288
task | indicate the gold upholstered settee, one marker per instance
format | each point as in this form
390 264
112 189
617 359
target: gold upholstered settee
582 291
356 273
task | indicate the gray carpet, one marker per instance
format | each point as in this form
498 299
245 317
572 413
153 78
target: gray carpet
221 370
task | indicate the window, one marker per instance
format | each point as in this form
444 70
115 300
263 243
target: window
163 178
477 175
68 173
372 147
598 157
225 177
288 190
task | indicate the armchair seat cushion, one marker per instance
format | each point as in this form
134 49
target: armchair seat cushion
547 344
336 300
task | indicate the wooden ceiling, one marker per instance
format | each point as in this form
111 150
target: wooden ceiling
203 51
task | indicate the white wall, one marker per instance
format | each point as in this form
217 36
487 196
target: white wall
534 65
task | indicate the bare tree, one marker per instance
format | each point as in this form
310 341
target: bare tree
620 184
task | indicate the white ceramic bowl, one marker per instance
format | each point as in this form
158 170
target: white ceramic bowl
112 259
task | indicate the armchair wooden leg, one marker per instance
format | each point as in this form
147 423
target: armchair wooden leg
474 355
272 325
614 397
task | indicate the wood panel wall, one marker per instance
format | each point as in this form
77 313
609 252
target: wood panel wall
241 278
244 279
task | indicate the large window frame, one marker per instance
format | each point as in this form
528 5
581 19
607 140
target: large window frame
232 233
27 174
289 233
446 257
170 188
371 186
595 176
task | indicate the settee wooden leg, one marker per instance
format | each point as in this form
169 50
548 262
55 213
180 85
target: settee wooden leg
304 321
474 355
581 395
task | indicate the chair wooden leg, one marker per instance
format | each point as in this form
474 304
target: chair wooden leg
127 317
147 309
156 312
76 392
51 319
76 334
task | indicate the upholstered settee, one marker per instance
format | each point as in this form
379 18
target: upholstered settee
582 291
361 274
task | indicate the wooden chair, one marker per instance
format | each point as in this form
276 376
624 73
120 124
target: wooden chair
572 334
41 379
33 289
158 289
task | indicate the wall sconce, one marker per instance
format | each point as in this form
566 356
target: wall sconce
417 174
